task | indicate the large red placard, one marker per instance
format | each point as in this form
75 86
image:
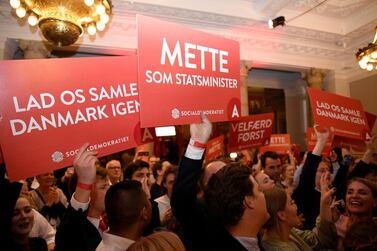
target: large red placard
346 115
50 107
183 72
250 131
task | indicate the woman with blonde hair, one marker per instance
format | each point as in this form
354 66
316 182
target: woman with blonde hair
163 240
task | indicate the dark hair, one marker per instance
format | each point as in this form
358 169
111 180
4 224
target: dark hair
72 182
124 202
361 235
169 170
156 167
226 191
133 167
268 154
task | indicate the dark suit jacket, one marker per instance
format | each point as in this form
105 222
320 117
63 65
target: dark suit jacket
76 232
307 198
201 231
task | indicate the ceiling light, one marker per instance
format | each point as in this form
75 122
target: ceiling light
367 56
63 22
272 23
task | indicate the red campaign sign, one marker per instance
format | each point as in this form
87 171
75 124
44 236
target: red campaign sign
51 107
346 115
348 143
147 135
250 131
311 140
280 143
183 72
215 148
1 157
371 118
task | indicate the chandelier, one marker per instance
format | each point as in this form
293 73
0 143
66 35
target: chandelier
367 56
62 22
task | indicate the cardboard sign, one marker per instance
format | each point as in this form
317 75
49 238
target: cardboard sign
251 131
51 107
346 115
183 72
215 148
280 143
311 140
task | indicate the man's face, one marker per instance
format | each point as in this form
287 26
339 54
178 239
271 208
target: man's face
260 202
169 183
273 168
100 188
114 169
141 173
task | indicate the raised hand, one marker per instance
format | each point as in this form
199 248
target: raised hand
85 165
371 148
145 184
202 131
328 210
321 139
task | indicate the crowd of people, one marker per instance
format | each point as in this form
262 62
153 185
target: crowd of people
319 202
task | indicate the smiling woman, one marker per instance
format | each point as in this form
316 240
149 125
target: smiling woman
22 223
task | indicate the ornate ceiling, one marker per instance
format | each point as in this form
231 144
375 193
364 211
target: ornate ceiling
326 37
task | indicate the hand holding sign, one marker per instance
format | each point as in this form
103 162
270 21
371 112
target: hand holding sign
202 131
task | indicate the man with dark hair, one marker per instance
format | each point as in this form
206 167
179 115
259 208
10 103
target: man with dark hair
139 171
271 165
233 210
80 228
128 212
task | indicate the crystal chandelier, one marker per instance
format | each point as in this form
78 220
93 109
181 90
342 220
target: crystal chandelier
367 56
62 22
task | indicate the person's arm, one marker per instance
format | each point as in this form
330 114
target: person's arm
75 232
184 199
362 168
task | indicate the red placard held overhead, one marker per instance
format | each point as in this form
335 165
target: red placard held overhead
346 115
251 131
183 72
280 143
215 148
51 107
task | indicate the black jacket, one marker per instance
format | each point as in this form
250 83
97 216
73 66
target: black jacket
200 230
76 232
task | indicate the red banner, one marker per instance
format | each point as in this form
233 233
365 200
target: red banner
215 148
280 143
346 115
51 107
371 118
311 140
1 157
251 131
183 72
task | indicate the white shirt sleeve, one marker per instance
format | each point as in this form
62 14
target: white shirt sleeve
41 228
77 205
